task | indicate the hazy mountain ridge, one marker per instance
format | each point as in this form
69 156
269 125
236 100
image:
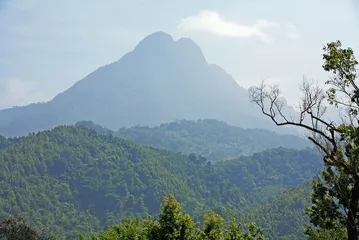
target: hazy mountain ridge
161 80
210 138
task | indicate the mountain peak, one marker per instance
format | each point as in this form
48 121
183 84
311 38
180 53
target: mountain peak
155 40
188 46
161 45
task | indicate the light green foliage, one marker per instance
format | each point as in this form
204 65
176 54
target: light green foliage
174 224
325 234
213 226
128 229
335 195
233 231
343 64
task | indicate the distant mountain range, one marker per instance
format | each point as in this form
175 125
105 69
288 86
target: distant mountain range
161 80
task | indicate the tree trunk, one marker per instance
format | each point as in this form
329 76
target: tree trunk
352 230
352 213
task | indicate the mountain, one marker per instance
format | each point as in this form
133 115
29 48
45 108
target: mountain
75 179
210 138
161 80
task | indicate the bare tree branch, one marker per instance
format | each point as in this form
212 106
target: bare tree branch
311 99
325 135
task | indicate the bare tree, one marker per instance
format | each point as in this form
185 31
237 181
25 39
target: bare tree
336 194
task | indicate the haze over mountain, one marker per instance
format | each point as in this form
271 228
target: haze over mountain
161 80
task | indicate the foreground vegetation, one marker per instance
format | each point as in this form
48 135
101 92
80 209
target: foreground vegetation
72 179
173 223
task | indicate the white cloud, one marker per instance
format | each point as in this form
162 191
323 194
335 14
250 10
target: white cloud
18 92
212 22
292 31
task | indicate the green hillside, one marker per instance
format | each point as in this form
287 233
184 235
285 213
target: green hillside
71 177
266 174
212 139
283 217
75 179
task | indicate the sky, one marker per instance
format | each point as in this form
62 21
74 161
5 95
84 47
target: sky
46 46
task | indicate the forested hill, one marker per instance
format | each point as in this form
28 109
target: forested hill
266 174
283 218
213 139
73 178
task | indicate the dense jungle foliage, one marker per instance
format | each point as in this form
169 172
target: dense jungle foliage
212 139
74 179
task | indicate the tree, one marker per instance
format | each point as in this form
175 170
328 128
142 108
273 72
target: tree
173 223
254 233
128 229
17 228
213 226
325 234
233 232
335 199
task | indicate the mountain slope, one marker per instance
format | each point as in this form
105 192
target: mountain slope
73 178
161 80
283 217
212 139
267 174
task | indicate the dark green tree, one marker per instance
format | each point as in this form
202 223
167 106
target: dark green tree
254 233
335 199
18 229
